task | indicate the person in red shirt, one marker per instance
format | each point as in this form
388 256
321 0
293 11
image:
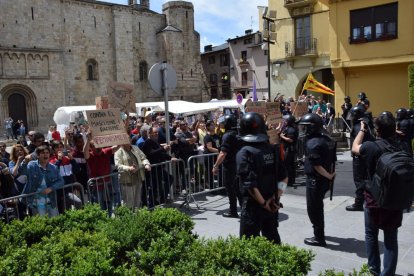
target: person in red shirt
98 160
55 134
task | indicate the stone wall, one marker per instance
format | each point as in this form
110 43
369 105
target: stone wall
47 46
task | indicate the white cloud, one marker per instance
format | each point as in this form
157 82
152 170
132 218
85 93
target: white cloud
218 20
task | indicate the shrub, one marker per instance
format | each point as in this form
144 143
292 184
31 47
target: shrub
160 242
411 85
363 272
234 256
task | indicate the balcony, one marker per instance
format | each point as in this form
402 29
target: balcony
243 62
304 46
241 84
290 4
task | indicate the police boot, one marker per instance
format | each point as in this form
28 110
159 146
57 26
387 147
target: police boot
230 214
315 242
355 207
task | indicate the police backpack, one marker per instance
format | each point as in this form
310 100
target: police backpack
392 184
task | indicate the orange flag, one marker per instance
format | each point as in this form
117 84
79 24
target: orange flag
313 85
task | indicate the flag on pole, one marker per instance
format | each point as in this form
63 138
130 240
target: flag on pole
313 85
254 90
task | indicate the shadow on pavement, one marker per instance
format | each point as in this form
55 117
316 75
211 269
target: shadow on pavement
350 245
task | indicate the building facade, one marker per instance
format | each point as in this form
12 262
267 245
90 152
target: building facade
216 66
248 65
299 34
65 52
372 44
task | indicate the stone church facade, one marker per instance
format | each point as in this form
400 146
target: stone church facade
65 52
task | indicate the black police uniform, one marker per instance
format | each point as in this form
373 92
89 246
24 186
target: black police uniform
230 144
359 169
291 132
319 150
259 165
404 125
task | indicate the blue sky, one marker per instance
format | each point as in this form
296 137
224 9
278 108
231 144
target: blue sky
218 20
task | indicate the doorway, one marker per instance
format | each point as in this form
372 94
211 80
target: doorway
17 108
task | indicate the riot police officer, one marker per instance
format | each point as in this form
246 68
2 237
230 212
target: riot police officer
263 179
346 107
361 97
229 146
289 137
358 166
320 157
404 132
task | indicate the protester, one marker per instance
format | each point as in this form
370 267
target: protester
158 184
4 155
17 156
131 163
45 178
8 125
99 164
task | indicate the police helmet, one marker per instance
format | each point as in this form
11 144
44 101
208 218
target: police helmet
253 128
401 114
347 99
357 112
230 122
410 113
362 96
386 113
312 122
290 119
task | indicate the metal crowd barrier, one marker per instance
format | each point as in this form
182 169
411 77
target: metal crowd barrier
200 177
162 185
69 196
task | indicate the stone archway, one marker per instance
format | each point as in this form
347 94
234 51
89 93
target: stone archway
19 101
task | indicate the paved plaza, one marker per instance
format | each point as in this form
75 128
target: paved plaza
344 230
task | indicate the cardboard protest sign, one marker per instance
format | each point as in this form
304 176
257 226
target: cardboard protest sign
107 127
273 114
102 102
273 136
120 96
300 109
258 107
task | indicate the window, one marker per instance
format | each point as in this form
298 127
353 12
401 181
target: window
213 79
374 23
248 40
92 69
211 60
244 78
143 70
244 56
302 35
224 60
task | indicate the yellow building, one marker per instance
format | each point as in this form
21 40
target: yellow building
372 44
299 33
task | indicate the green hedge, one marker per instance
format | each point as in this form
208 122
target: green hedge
159 242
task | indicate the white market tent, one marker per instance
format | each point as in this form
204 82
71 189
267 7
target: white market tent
66 114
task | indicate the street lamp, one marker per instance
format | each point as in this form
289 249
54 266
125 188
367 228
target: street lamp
266 26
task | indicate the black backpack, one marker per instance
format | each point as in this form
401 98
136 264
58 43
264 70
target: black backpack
392 184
